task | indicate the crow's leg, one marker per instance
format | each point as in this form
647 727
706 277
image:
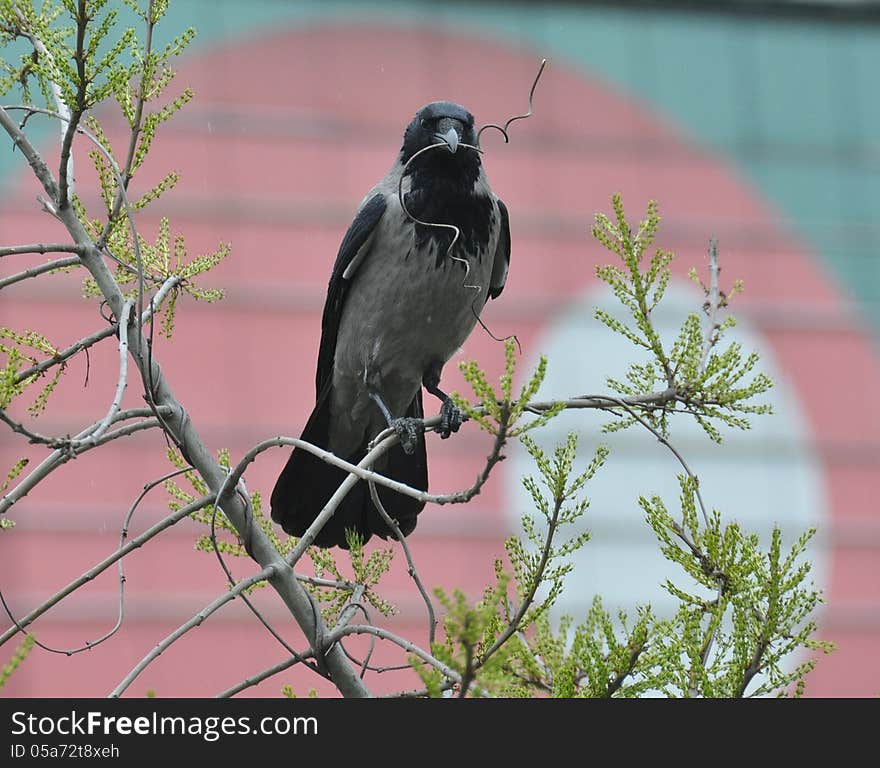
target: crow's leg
407 429
451 417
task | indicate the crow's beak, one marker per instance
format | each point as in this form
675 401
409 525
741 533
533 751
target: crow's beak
451 138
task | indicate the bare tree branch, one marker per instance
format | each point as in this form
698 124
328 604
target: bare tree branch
89 575
266 673
121 383
70 261
33 437
41 248
63 455
64 115
411 566
417 693
195 621
384 634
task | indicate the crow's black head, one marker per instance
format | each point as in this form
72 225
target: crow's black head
442 122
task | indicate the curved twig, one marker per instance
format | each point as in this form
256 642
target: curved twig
20 624
516 117
411 566
384 634
456 232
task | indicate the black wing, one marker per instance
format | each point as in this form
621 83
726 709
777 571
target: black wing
351 252
502 254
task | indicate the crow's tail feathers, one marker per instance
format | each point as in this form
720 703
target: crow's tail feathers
307 483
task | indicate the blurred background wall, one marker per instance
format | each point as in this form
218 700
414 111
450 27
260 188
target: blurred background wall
753 122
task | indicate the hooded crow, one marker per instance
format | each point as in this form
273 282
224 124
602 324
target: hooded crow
429 245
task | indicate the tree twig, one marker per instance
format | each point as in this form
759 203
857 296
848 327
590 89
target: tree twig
526 603
85 578
384 634
714 303
121 382
675 452
266 673
63 455
65 175
411 566
70 261
41 248
64 115
195 621
126 173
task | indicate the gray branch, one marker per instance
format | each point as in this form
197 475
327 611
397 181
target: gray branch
195 621
90 574
70 261
63 110
266 673
410 563
66 453
384 634
121 383
41 248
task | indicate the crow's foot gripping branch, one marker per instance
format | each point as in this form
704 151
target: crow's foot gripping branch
407 428
451 416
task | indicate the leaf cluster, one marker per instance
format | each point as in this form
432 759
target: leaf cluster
19 350
709 381
743 609
161 260
500 412
22 651
367 571
88 53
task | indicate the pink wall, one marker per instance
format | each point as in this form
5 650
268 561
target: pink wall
257 174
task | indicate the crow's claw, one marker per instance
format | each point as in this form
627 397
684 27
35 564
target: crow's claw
451 418
407 430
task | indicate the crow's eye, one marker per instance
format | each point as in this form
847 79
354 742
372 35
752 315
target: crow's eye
426 124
